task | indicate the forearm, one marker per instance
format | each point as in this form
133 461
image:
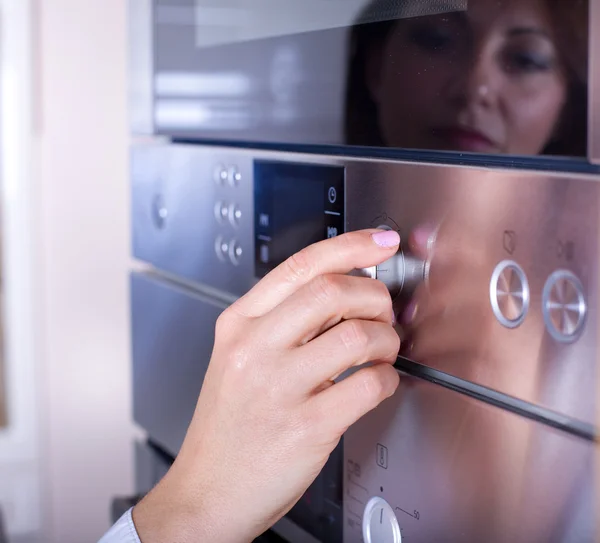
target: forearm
175 512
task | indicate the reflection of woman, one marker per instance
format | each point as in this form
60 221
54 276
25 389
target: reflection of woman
505 76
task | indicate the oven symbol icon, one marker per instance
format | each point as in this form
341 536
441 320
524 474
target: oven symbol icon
382 456
510 242
332 195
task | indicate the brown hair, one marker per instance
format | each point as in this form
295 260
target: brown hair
570 21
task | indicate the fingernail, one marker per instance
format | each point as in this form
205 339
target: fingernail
410 313
425 237
394 320
387 238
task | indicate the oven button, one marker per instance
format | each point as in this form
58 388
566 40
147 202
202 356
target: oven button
509 294
235 214
380 524
564 306
235 252
234 176
221 211
222 249
160 212
221 175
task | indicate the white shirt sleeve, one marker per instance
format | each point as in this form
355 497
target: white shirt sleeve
123 531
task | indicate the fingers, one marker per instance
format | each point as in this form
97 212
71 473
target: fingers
324 302
340 406
338 255
351 343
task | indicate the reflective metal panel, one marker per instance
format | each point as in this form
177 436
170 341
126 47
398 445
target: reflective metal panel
454 469
545 223
172 336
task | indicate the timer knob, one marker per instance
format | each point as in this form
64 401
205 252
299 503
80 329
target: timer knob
401 274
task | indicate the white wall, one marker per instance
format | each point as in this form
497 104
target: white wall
87 452
19 444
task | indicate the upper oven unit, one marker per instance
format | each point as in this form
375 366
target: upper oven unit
371 77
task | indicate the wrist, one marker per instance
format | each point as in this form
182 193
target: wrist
171 512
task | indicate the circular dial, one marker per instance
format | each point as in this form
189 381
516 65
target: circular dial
400 274
380 524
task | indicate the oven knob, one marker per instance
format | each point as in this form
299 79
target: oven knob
401 274
380 524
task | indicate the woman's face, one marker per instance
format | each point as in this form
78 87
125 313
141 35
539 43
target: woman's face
486 80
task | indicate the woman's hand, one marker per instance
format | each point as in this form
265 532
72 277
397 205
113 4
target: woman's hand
269 414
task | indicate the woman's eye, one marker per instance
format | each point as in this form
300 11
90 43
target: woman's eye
525 63
431 38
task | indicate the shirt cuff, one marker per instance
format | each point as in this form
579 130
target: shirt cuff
123 531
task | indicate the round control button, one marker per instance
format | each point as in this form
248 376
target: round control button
160 212
235 252
221 248
380 524
235 214
221 174
564 306
509 294
221 211
234 176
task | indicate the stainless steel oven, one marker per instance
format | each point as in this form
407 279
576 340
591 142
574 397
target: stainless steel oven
262 126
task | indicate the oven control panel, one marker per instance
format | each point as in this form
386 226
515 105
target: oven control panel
501 335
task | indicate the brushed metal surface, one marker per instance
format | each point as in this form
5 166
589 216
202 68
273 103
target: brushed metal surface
542 221
456 470
172 339
185 181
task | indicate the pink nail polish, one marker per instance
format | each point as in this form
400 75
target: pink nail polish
387 239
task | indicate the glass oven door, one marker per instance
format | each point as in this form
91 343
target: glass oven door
480 78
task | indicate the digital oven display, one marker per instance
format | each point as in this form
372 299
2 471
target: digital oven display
295 205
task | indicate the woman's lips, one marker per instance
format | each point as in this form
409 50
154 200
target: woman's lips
459 138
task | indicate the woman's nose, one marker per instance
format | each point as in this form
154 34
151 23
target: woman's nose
474 84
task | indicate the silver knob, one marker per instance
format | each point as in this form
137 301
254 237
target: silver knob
380 524
401 274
